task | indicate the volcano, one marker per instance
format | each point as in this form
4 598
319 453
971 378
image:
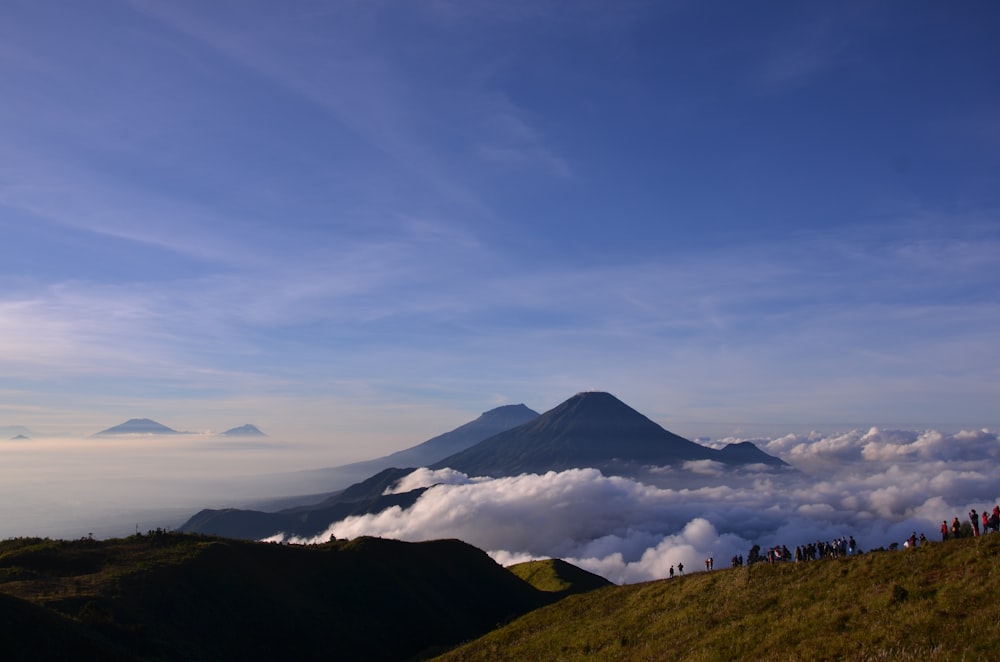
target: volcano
592 429
143 426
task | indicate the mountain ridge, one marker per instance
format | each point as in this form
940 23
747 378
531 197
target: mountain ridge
574 434
309 515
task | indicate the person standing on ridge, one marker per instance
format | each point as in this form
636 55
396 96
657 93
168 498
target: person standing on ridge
974 518
944 530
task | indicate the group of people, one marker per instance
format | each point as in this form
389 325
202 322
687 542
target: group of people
986 522
981 524
781 553
808 552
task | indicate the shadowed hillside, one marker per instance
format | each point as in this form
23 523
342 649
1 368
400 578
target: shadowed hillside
938 602
173 596
30 632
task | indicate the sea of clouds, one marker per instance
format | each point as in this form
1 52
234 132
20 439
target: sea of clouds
877 485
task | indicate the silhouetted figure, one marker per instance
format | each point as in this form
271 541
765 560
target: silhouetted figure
956 528
974 518
671 572
680 568
944 530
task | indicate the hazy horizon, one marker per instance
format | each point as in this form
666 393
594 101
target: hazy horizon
72 487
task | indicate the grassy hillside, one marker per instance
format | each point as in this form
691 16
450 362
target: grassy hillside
183 596
558 577
937 602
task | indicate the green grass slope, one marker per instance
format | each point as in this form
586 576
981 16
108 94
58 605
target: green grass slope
558 577
937 602
182 596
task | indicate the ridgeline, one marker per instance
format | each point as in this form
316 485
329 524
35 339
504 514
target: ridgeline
192 597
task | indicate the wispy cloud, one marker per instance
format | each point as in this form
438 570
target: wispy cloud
344 69
507 139
436 306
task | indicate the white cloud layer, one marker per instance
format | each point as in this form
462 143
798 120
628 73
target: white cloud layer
878 486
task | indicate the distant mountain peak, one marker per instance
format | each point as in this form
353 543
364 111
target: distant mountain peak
145 426
590 429
247 430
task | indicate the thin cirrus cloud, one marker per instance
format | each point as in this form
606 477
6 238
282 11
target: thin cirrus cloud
700 318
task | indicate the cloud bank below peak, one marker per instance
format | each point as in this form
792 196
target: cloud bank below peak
876 485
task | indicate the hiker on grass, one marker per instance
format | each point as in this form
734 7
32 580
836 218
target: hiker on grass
680 568
671 572
974 518
956 528
944 530
986 523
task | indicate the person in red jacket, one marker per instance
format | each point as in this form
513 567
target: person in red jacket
944 530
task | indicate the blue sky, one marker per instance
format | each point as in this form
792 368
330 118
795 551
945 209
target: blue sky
362 223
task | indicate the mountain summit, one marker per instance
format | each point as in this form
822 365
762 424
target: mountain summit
591 429
248 430
137 426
